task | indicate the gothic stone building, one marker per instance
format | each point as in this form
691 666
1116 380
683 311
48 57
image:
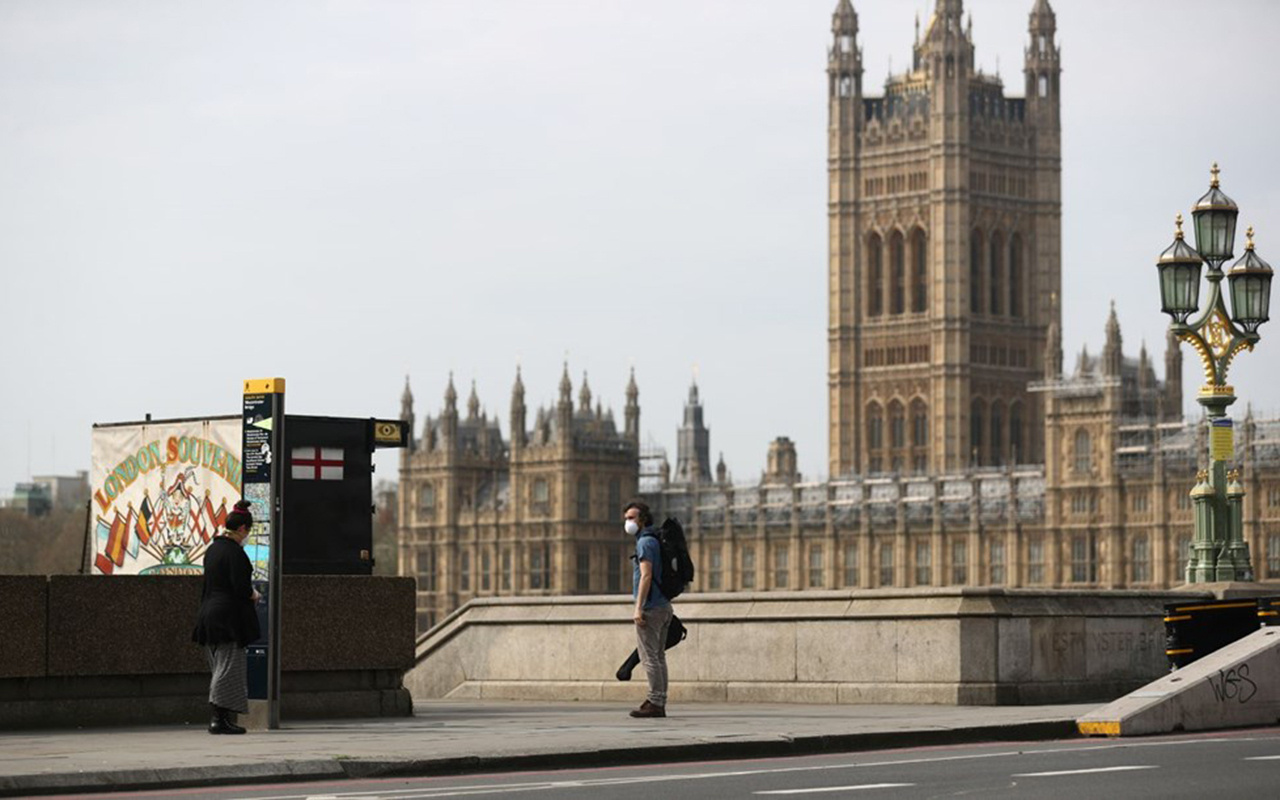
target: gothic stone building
961 451
482 516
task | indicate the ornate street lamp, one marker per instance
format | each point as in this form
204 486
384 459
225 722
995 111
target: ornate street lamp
1219 552
1179 267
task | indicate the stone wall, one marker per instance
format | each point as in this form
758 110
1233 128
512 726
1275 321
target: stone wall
95 650
961 646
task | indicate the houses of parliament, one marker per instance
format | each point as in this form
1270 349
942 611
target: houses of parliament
962 450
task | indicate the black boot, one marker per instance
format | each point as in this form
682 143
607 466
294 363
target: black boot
223 723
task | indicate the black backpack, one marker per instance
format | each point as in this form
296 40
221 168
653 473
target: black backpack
677 566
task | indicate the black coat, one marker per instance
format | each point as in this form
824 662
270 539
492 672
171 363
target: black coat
227 613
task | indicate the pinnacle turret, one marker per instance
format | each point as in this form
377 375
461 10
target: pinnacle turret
406 400
1042 65
566 387
633 391
451 395
584 395
518 439
517 388
1112 351
844 58
632 423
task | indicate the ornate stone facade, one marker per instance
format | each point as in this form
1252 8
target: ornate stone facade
1109 508
945 228
960 452
480 516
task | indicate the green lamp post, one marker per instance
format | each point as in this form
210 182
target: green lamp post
1218 552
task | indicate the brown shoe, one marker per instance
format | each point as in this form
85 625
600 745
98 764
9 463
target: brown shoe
648 709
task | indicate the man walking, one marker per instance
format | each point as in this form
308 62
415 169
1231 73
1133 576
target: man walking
652 613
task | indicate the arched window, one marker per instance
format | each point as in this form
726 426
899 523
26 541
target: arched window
997 434
1015 275
875 276
897 426
875 438
919 436
897 274
1018 454
996 284
1083 458
919 424
897 435
975 272
919 271
976 412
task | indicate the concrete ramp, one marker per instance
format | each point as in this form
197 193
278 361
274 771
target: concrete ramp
1235 687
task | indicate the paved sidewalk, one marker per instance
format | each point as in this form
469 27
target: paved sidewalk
447 737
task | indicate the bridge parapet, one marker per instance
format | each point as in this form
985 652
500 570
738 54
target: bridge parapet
934 645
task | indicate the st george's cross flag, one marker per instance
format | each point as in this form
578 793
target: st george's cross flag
316 464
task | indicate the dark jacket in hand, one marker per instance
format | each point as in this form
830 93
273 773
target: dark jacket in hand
226 614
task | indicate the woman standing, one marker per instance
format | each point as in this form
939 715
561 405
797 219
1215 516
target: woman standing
227 621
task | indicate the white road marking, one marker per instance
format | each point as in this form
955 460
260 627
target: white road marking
1263 758
1079 771
393 794
837 788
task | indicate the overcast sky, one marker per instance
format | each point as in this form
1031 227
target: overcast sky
343 193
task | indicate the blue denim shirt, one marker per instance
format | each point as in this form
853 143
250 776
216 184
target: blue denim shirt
648 549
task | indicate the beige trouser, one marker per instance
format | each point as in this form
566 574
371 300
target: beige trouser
651 641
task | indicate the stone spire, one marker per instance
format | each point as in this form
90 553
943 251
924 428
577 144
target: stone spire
517 413
406 401
517 388
1112 352
584 395
1043 20
693 448
566 387
406 412
633 410
1146 375
473 403
449 419
946 27
564 408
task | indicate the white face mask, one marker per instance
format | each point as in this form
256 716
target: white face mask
631 527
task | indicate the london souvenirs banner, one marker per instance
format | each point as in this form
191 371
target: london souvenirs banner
161 491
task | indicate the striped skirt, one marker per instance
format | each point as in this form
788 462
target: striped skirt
229 687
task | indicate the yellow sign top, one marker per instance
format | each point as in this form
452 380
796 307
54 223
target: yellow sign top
264 386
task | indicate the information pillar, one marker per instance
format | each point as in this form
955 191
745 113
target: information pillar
262 456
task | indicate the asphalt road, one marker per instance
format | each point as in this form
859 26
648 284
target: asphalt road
1244 764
